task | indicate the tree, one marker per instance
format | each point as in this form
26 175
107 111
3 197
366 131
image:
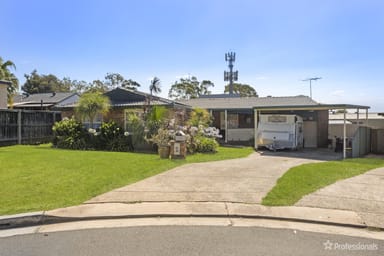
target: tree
154 86
200 116
36 83
116 80
188 88
96 86
92 103
6 74
244 90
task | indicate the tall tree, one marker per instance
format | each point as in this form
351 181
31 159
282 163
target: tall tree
188 88
154 87
244 90
36 83
97 86
114 80
92 103
6 74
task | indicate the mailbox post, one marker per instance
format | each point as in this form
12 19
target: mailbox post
178 146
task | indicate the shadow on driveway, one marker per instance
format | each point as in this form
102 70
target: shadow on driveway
322 154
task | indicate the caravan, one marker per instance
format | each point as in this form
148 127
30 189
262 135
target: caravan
280 132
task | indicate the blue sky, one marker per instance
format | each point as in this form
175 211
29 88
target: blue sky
277 43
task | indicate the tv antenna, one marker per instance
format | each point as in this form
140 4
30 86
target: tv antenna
310 83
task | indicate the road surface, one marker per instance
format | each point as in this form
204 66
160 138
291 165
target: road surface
188 240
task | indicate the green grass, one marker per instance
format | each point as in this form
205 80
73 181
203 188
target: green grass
36 178
307 178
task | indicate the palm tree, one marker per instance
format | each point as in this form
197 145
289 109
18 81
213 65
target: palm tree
154 87
6 74
92 103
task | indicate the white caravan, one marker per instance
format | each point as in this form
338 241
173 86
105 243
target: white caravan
280 132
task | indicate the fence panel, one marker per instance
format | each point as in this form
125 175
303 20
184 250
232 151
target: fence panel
26 126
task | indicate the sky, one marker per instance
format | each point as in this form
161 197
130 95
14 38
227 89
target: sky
278 43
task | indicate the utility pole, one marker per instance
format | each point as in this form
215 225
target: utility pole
310 83
230 76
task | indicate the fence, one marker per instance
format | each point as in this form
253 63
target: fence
361 142
26 126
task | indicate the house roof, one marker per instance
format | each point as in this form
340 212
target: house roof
249 102
122 97
49 98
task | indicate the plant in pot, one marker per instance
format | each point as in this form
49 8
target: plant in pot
161 139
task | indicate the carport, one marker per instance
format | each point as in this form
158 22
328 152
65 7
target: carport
317 116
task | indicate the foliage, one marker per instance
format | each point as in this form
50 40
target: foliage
244 90
90 104
7 75
36 83
202 139
187 88
200 116
154 86
69 134
116 80
157 117
46 178
112 138
136 128
162 137
307 178
205 144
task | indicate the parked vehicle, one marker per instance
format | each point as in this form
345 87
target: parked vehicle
280 132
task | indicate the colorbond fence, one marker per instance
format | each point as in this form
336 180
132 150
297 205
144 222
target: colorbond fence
26 126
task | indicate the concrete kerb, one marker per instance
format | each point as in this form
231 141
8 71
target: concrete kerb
177 210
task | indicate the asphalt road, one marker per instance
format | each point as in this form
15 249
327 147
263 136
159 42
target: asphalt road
188 240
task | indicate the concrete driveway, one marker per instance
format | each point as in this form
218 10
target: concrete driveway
245 180
363 194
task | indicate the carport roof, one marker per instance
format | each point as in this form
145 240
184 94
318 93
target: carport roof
312 107
249 102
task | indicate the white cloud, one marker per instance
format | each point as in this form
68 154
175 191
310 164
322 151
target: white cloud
338 93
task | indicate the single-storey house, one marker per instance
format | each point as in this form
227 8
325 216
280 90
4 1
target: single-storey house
44 101
237 117
124 101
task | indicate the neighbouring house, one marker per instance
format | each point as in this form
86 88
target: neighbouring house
237 117
44 101
124 101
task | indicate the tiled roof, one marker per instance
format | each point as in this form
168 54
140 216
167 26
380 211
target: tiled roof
249 102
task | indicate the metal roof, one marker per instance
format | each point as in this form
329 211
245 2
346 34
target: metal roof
45 97
249 102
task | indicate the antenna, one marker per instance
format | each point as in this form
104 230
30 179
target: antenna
231 75
310 83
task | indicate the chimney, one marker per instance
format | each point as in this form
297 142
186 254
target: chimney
4 94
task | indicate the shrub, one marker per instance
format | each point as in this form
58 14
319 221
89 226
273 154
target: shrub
136 128
69 134
112 137
205 145
200 117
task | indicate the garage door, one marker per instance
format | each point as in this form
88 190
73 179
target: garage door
310 134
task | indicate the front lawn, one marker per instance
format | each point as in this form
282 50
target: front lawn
34 178
307 178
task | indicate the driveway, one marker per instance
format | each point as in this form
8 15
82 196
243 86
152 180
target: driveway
363 194
245 180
